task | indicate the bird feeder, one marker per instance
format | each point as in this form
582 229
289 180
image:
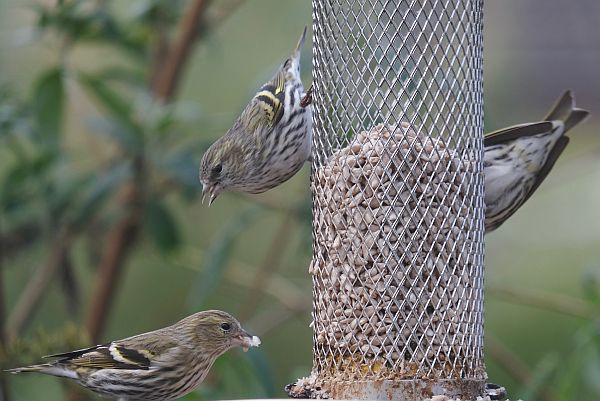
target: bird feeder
398 212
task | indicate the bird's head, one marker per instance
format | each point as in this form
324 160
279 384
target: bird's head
217 331
221 167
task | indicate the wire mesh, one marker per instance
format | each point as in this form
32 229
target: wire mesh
397 190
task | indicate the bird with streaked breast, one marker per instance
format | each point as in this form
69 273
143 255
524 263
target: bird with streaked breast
160 365
517 159
268 143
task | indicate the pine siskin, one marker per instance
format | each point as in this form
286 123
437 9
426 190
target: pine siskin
160 365
518 158
268 143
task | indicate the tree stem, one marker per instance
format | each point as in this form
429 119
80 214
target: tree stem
4 391
169 75
121 240
270 263
37 286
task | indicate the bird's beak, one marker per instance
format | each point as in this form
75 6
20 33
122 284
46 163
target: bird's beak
212 191
246 340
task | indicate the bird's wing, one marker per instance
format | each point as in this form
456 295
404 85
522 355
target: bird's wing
266 107
564 110
517 131
131 353
109 356
577 116
77 353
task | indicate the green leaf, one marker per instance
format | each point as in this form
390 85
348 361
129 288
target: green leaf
590 283
579 366
543 375
113 102
65 191
102 187
22 175
48 105
115 130
13 113
218 255
183 167
263 372
79 22
591 370
118 107
128 75
161 225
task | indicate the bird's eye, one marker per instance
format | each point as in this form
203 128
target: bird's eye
216 170
225 326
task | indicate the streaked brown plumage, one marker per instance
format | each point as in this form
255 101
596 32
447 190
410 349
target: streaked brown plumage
517 159
268 143
159 365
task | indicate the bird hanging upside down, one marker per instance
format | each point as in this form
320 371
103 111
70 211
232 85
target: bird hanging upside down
268 143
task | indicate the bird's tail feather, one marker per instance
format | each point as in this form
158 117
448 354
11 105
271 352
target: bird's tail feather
32 368
577 116
292 64
47 368
564 110
298 49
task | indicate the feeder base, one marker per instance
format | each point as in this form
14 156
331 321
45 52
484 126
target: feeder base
388 390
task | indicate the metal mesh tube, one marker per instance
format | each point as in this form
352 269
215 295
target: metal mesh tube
397 198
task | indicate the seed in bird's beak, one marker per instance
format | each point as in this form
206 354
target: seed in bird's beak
246 341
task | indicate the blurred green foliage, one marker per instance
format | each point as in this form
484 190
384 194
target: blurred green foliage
86 145
92 147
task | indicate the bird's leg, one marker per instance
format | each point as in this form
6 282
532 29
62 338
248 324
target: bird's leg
307 99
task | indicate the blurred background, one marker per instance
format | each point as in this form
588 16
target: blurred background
105 110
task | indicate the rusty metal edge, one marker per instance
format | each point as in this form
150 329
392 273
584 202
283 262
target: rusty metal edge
408 390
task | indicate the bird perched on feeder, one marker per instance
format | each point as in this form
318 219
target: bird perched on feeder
159 365
518 158
268 143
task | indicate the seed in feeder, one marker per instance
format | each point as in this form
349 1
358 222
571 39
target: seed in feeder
386 211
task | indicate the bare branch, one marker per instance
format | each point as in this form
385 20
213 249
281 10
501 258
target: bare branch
121 240
196 21
513 365
19 237
167 79
544 300
270 203
284 291
294 300
216 15
270 263
37 286
272 318
4 392
160 50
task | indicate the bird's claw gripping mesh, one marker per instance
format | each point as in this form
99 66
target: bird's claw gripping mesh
397 193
